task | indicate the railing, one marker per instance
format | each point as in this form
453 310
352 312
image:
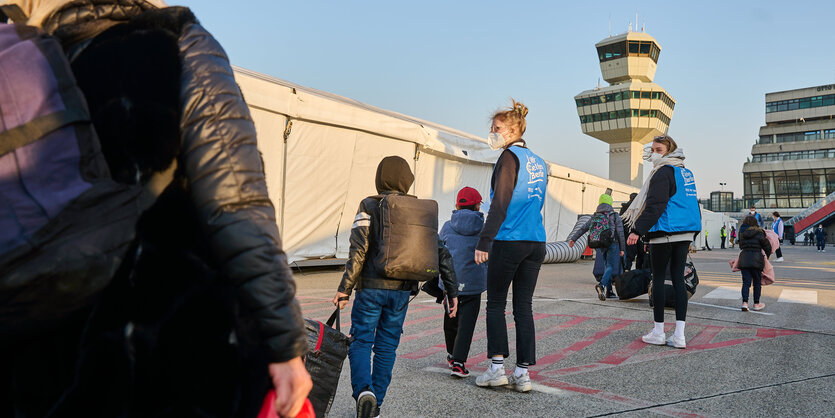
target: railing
812 209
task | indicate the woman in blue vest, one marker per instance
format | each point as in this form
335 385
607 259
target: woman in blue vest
513 240
666 214
777 227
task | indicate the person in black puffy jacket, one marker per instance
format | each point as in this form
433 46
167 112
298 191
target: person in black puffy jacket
752 242
163 97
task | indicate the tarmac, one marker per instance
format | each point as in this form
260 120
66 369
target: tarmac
591 361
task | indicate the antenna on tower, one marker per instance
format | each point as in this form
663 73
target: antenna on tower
610 24
636 20
644 25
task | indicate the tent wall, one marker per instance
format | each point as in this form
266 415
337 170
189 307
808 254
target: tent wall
318 175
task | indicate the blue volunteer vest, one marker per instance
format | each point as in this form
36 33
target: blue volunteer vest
682 214
524 214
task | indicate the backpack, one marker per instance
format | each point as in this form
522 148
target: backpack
600 231
65 225
408 247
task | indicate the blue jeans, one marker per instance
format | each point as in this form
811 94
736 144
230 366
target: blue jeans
611 257
376 325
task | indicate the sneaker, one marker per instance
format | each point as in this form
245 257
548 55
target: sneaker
601 294
366 404
492 378
521 383
744 306
449 360
377 411
758 306
610 294
779 260
677 342
653 338
458 370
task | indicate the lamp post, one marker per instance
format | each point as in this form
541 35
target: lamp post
722 186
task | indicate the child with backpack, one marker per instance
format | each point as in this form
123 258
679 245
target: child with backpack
385 272
752 242
605 232
461 236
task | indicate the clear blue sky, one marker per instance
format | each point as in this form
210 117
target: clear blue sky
454 62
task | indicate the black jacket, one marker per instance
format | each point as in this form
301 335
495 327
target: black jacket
752 241
502 184
393 177
219 158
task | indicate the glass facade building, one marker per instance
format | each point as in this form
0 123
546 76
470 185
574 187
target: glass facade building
792 163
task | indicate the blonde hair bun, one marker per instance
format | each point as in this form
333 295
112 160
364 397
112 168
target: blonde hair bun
513 115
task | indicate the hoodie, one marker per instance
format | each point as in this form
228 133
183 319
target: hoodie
614 219
394 176
461 236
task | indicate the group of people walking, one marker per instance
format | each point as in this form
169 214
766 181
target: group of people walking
504 251
818 238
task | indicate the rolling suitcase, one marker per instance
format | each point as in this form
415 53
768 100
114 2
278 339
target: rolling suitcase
328 349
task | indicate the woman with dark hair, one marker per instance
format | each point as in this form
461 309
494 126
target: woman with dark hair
752 242
666 214
513 239
777 227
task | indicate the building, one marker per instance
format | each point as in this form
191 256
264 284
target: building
632 110
792 164
721 201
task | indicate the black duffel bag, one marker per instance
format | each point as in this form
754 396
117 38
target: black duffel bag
328 349
691 280
632 283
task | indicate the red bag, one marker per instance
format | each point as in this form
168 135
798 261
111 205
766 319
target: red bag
268 408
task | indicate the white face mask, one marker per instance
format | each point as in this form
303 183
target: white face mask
654 157
753 212
495 140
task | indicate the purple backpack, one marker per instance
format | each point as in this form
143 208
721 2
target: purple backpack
65 226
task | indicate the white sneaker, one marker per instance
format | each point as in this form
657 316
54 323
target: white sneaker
779 260
653 338
492 378
677 342
521 383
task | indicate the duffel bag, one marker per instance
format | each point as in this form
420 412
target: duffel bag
691 280
328 349
632 283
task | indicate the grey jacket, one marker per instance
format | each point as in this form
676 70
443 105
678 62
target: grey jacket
614 219
223 166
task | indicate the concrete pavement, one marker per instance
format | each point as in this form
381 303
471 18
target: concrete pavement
780 362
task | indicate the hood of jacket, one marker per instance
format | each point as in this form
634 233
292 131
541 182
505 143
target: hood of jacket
467 222
603 208
394 175
750 233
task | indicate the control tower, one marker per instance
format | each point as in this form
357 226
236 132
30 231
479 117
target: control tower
632 110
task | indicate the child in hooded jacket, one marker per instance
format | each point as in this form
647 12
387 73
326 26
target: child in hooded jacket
752 242
461 236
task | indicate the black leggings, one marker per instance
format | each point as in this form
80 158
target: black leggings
517 263
674 254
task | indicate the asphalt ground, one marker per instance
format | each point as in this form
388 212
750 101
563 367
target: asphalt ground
591 361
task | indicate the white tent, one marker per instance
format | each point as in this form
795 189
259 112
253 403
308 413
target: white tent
712 223
321 153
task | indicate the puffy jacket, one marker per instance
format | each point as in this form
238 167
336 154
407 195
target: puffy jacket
393 177
461 236
219 158
820 234
752 242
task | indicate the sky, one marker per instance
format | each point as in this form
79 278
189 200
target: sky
455 62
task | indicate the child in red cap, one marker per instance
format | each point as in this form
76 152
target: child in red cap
461 236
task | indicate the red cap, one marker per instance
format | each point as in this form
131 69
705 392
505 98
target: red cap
468 196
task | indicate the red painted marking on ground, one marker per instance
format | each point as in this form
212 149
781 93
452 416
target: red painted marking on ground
772 333
328 309
552 358
707 335
624 353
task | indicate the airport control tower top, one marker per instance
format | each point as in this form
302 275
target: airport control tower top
629 56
